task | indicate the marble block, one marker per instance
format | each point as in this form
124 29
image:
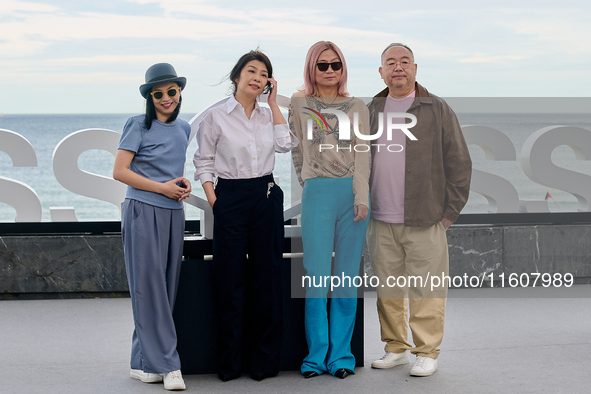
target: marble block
475 251
548 249
57 264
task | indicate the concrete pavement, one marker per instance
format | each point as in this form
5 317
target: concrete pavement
528 340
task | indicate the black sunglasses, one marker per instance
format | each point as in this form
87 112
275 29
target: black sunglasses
336 66
158 94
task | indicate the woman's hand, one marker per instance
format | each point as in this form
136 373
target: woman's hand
171 190
185 182
209 193
360 212
272 99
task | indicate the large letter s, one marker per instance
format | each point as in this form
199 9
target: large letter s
536 160
15 193
67 173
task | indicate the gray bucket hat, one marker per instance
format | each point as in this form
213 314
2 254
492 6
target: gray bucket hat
160 73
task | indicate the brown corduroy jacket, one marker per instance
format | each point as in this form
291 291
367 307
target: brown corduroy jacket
438 164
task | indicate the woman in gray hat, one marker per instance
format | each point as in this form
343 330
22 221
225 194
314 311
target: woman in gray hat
151 161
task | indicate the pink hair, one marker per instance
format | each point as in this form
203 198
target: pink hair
310 68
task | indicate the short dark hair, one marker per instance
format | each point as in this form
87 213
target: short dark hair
250 56
151 112
397 44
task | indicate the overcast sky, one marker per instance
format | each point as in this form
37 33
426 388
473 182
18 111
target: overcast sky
73 56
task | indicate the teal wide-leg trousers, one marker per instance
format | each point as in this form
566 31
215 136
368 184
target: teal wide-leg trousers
327 225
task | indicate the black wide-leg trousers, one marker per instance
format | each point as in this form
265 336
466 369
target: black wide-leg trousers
248 221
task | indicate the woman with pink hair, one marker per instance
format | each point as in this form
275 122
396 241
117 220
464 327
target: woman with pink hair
334 173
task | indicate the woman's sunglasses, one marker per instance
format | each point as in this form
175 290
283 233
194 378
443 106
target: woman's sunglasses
158 94
336 66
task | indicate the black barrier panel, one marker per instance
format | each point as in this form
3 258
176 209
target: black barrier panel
49 228
194 317
516 219
193 226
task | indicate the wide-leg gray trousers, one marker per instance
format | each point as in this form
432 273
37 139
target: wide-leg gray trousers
153 247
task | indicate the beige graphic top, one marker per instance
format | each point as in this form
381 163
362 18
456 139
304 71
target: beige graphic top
325 154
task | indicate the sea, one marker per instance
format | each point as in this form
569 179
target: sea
45 131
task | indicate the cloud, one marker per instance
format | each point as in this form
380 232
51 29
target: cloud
180 19
38 72
468 42
14 7
71 78
490 59
32 28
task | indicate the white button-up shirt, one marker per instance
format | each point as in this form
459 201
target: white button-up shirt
232 146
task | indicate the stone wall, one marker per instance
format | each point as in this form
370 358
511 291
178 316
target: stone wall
57 264
481 250
94 263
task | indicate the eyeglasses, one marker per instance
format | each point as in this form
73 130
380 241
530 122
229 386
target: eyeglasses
403 64
336 66
158 94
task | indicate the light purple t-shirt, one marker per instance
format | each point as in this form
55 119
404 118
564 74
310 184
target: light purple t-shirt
387 186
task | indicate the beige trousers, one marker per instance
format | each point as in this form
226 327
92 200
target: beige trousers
406 260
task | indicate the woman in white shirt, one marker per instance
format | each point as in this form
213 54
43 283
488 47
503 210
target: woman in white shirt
237 142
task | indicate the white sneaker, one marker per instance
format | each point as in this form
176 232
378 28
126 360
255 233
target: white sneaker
173 380
145 377
390 360
425 366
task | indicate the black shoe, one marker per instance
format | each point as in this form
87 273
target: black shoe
225 377
260 376
310 374
343 373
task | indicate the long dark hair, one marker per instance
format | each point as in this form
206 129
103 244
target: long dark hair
252 55
151 112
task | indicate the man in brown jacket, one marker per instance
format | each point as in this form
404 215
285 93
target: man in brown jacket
418 188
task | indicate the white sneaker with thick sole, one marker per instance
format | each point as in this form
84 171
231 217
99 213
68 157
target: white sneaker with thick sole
425 366
145 377
390 360
173 380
